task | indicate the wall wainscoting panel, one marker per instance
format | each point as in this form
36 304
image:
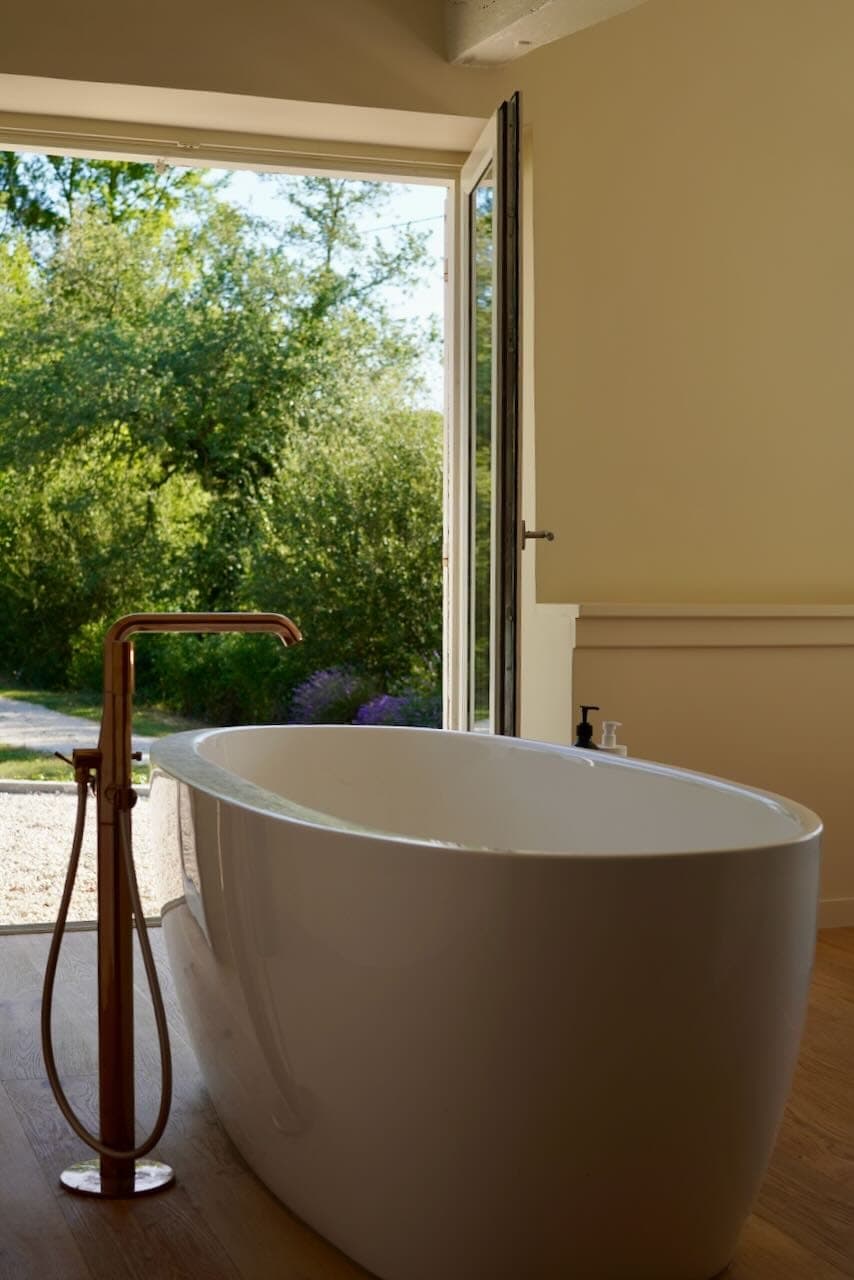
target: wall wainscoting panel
763 695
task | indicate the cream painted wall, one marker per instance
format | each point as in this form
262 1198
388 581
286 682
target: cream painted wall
368 53
694 232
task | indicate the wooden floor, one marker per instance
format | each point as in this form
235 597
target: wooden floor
219 1221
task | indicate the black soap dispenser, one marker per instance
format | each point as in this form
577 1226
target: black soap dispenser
584 731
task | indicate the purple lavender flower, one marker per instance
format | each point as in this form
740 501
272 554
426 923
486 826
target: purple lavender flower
329 697
409 708
384 709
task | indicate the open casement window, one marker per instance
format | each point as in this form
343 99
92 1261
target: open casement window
489 403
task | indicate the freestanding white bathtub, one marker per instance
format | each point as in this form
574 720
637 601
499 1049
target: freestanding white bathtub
482 1009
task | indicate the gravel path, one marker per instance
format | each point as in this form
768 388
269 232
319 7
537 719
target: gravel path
26 724
36 829
35 843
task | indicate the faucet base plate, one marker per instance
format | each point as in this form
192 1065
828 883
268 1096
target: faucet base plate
85 1179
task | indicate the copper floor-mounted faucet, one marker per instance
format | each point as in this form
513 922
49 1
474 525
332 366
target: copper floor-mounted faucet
120 1171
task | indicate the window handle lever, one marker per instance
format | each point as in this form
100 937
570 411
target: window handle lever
545 534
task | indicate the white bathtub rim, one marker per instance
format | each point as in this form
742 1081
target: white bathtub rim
178 756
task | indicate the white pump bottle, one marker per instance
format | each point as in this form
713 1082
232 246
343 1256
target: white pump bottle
609 739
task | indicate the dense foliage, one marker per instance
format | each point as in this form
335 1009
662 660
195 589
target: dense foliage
200 410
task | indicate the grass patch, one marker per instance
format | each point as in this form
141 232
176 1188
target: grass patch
152 722
32 766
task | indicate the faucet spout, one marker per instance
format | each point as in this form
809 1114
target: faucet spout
118 665
134 623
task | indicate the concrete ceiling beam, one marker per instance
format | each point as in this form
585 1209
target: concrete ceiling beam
486 32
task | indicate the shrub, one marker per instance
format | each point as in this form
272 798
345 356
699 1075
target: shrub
416 708
232 678
86 665
330 697
386 708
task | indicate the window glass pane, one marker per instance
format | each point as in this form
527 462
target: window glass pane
482 560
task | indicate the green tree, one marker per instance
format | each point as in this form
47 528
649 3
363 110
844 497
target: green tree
352 540
210 412
342 263
41 193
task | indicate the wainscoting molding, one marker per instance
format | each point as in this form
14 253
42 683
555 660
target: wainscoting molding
761 694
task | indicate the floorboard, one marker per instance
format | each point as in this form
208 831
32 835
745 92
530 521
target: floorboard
35 1239
220 1223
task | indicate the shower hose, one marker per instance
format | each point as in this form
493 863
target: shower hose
150 972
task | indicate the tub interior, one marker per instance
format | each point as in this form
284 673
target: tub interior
498 794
